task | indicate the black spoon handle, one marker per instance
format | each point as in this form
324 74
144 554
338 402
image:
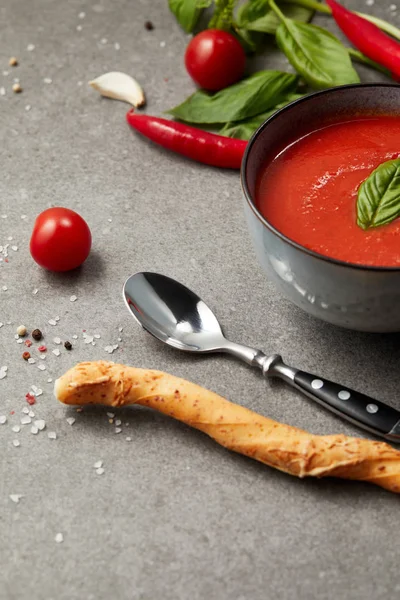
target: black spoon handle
368 413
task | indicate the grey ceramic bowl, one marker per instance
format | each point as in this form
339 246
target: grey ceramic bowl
353 296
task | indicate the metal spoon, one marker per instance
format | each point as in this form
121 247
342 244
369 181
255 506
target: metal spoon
178 317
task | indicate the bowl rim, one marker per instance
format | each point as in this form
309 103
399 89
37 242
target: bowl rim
257 213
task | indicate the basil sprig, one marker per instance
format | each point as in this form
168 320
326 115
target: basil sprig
378 201
187 12
256 15
245 99
243 130
315 53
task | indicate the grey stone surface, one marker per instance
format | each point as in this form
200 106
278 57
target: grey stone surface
174 516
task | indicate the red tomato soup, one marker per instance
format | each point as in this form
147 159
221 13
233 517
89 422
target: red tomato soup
309 191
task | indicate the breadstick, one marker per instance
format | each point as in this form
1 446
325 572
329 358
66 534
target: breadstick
280 446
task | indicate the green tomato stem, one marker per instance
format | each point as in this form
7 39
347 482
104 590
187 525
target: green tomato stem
361 58
322 8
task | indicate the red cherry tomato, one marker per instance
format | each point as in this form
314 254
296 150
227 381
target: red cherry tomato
61 239
215 59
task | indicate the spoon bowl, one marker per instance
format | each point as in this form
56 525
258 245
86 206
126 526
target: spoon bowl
172 313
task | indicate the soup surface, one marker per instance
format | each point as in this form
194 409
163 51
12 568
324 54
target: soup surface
309 191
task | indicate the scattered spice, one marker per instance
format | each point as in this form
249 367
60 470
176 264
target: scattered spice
16 88
26 355
21 331
149 26
37 335
13 62
30 398
28 343
42 348
67 345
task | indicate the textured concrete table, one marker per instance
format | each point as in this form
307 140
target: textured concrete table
173 516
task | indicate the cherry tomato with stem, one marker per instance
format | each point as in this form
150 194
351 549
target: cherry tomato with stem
61 239
215 59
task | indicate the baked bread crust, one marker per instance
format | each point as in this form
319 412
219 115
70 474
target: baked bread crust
281 446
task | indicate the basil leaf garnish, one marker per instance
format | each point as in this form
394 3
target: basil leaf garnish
249 97
256 15
187 13
378 201
243 130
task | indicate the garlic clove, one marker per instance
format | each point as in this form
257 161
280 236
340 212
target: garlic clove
119 86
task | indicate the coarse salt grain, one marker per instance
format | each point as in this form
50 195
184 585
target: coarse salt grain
98 464
40 424
26 420
25 410
31 361
70 420
128 439
118 430
37 391
30 47
52 435
100 471
31 414
42 367
59 538
111 415
57 340
16 443
47 80
35 291
56 352
16 497
52 322
75 337
3 419
16 429
34 430
118 422
73 298
82 15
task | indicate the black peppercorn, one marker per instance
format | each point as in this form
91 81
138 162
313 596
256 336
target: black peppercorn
68 345
37 335
149 25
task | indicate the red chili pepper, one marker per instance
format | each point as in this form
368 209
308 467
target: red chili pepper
368 38
208 148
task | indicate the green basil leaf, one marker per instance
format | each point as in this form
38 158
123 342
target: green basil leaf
243 130
256 15
247 39
249 97
187 13
316 54
378 199
223 14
